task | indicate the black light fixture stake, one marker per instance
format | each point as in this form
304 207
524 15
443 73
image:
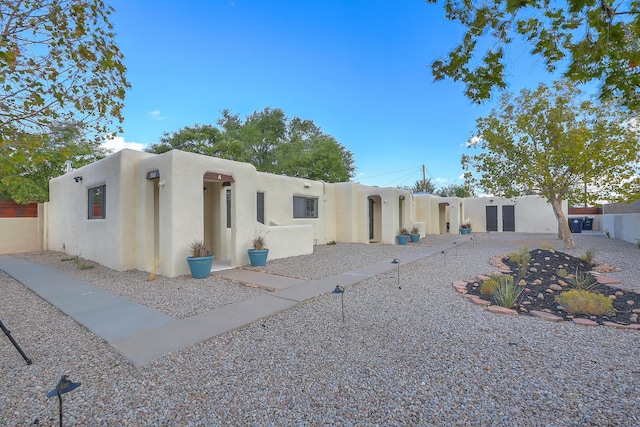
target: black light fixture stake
15 344
340 290
64 386
456 245
473 241
397 261
445 257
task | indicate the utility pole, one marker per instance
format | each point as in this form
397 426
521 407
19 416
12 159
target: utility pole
424 180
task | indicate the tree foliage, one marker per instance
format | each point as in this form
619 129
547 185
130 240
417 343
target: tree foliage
420 186
61 75
597 40
456 190
270 141
26 169
59 63
551 142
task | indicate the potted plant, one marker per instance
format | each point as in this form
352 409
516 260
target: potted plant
465 228
415 234
403 237
200 260
258 253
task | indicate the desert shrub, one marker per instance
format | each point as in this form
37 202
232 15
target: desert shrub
579 301
488 287
589 256
562 273
507 292
514 257
547 246
525 258
583 281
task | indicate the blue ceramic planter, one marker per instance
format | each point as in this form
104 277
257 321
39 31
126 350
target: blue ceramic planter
200 267
403 239
465 230
258 258
415 237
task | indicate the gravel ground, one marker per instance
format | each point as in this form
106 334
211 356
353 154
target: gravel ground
419 355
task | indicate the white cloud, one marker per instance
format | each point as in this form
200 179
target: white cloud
471 142
156 115
117 143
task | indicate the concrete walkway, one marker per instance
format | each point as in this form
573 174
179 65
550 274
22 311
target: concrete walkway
143 335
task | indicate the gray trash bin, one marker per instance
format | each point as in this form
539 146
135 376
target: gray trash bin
575 224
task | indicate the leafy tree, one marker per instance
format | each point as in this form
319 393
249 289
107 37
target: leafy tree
26 169
598 40
552 143
270 141
419 187
58 64
455 190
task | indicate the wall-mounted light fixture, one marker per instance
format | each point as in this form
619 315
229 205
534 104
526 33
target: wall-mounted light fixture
401 197
77 178
490 201
205 190
307 185
161 184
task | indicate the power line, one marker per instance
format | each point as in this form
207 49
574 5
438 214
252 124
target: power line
389 173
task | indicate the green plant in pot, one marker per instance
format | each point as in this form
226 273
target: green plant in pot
200 260
415 234
403 237
259 252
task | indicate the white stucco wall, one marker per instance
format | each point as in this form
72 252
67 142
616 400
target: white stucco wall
622 226
110 241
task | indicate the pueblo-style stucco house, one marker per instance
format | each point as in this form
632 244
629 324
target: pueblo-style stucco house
135 210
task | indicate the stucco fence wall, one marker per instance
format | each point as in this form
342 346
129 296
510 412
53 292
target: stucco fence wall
22 234
622 226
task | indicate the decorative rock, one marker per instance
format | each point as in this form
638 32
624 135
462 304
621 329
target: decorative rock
563 283
612 297
482 277
460 284
619 293
541 296
555 287
546 316
607 280
461 290
634 318
631 302
614 325
547 258
634 326
533 269
522 282
636 310
585 322
549 291
537 282
481 302
526 302
496 309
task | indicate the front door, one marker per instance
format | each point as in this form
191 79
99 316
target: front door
508 218
372 206
491 213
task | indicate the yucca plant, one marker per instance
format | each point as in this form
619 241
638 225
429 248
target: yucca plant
507 292
583 281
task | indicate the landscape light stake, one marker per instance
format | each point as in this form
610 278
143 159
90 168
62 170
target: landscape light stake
15 344
473 240
64 386
456 245
445 257
340 290
397 261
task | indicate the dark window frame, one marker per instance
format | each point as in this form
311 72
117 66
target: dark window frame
305 207
97 202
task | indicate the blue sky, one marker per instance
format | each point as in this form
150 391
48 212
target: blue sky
358 69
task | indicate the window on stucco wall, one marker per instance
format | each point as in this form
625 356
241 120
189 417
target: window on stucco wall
305 207
97 202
